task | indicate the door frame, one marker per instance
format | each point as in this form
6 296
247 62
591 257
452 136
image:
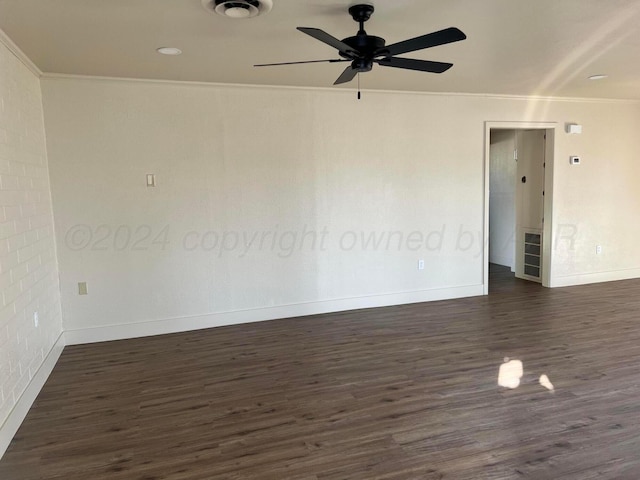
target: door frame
547 251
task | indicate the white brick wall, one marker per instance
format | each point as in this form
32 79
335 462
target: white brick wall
28 266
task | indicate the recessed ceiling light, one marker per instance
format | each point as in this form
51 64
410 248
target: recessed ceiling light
598 77
169 51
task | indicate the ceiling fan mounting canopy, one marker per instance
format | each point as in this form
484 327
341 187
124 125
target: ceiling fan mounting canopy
363 50
361 12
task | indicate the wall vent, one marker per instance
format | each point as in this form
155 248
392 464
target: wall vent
533 255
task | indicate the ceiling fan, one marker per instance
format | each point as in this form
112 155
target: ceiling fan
363 50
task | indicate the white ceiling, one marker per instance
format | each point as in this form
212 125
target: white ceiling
521 47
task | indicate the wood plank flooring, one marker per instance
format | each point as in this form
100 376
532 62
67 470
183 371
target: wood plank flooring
407 392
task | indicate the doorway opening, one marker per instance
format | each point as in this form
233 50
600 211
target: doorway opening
518 201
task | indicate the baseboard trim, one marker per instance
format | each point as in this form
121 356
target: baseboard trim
11 425
185 324
502 261
599 277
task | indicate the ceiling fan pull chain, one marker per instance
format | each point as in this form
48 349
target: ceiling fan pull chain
358 85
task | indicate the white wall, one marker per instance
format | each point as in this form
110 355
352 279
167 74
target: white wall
502 198
28 268
250 161
597 202
530 197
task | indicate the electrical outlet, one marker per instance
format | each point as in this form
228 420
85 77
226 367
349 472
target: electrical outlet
420 264
36 319
598 249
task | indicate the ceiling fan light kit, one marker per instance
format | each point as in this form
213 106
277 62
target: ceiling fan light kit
363 50
238 9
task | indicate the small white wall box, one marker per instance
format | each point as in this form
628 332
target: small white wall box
574 128
574 160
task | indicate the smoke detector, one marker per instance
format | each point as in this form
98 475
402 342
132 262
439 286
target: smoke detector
238 8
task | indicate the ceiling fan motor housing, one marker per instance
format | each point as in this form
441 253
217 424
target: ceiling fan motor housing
367 45
238 8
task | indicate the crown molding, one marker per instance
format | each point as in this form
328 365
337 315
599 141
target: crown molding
350 91
19 54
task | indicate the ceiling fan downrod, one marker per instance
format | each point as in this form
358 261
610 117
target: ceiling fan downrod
361 13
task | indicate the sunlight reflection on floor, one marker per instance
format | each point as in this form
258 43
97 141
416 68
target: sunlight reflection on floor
511 373
546 383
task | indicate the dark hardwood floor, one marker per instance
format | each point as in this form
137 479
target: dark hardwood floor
407 392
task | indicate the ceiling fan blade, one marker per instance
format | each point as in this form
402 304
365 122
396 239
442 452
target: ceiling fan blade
348 75
307 61
442 37
411 64
329 40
